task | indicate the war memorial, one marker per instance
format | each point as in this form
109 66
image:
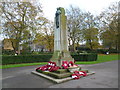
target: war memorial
61 66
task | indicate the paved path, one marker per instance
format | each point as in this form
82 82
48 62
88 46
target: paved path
106 77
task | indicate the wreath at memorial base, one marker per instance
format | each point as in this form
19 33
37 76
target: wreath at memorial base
51 66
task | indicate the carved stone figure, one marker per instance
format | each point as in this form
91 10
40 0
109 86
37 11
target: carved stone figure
57 16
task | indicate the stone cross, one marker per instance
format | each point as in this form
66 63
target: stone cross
61 52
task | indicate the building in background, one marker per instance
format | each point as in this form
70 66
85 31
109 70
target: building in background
8 44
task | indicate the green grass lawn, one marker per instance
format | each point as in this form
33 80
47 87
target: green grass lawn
101 58
21 65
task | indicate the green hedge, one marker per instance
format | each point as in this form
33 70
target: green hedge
85 57
25 59
103 51
42 58
8 52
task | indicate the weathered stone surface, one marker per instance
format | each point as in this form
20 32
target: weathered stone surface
52 78
61 52
57 75
72 69
57 80
61 71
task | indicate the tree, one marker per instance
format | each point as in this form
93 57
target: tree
109 26
45 36
74 23
90 31
119 25
91 37
19 20
48 29
82 27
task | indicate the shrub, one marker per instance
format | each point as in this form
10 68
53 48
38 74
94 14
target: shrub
85 57
8 52
25 59
83 48
103 51
45 53
114 51
43 58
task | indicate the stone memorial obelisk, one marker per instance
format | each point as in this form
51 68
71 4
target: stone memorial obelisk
61 52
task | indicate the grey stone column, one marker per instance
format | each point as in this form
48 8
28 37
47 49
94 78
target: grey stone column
61 52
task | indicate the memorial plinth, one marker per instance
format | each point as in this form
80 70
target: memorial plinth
61 52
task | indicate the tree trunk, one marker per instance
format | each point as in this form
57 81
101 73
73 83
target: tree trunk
73 46
90 43
14 48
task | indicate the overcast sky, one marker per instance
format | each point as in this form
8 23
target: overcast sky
93 6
